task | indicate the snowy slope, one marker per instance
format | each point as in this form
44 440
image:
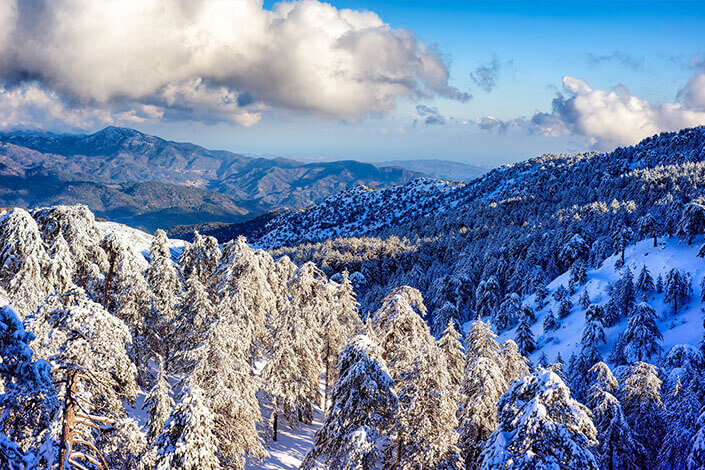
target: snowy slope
684 328
138 241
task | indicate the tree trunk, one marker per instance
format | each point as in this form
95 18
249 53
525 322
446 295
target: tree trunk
70 409
655 242
325 385
623 248
83 274
274 426
109 280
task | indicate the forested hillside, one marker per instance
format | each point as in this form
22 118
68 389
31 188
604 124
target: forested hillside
547 315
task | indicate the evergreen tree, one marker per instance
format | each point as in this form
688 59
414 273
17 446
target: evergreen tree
681 419
540 427
677 289
564 307
692 221
426 422
645 283
514 365
200 258
28 399
540 296
159 403
584 299
452 349
480 341
447 312
641 401
524 337
659 284
696 458
550 323
621 237
508 313
188 440
578 274
618 447
593 336
560 293
483 386
648 227
487 297
642 335
356 432
222 374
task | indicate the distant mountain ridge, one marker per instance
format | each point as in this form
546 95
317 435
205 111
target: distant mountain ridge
107 162
441 169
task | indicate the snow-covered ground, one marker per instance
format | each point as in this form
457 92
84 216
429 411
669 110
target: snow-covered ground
139 242
684 328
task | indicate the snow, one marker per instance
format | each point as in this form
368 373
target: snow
291 447
684 328
137 241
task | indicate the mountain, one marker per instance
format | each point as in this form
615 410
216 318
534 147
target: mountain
441 169
120 155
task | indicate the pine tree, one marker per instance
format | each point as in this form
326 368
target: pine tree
508 313
195 313
618 447
540 296
200 258
188 440
550 323
593 337
681 418
578 274
480 341
487 297
645 283
447 312
677 289
222 373
642 335
575 249
696 458
28 400
514 365
62 265
540 427
564 307
524 337
159 403
356 432
483 386
659 284
692 221
641 401
560 293
648 227
621 237
584 299
426 421
452 349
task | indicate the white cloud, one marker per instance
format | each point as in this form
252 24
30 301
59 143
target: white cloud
610 118
217 60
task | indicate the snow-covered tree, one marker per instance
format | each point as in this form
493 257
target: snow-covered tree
696 458
222 372
28 399
692 221
508 313
677 289
578 273
584 300
642 335
447 312
564 307
618 447
513 364
659 284
549 322
681 420
480 341
487 297
188 441
621 237
200 258
641 402
645 283
452 349
524 336
356 432
426 422
540 427
540 296
483 386
575 249
648 227
159 403
622 298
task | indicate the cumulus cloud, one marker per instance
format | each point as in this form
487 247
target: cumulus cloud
430 115
215 60
619 57
609 118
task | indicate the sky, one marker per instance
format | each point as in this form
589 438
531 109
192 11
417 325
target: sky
479 82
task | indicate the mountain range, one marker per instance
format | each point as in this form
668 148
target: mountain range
149 182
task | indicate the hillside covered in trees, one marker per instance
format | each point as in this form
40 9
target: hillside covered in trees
545 316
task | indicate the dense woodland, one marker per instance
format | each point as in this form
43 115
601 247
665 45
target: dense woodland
395 336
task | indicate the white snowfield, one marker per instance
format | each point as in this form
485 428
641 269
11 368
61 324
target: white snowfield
686 327
138 241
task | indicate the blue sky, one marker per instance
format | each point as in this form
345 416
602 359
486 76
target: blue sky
634 68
